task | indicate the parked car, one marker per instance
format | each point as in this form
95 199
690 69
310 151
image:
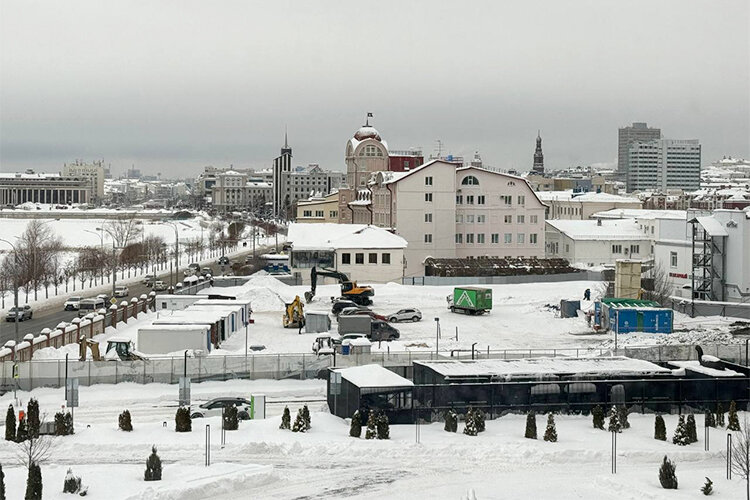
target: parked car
103 296
196 268
73 303
356 311
23 313
159 286
149 279
341 304
405 315
337 340
223 260
216 406
205 271
121 291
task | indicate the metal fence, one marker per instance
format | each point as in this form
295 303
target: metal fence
707 308
500 280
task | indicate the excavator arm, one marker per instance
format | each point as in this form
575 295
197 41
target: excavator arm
350 289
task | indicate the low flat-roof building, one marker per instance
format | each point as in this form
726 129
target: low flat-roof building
596 242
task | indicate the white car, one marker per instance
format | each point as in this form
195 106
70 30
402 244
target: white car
214 408
405 315
121 291
73 303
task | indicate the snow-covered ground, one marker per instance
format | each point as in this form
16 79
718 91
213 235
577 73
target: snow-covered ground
262 461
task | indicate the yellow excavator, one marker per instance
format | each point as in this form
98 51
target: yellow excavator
294 314
359 294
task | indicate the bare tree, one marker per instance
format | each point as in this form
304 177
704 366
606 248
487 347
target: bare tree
38 254
123 230
34 450
658 288
740 462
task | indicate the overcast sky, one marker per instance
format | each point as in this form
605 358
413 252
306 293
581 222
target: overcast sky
173 86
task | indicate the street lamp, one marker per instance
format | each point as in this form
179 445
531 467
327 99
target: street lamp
100 234
176 248
15 289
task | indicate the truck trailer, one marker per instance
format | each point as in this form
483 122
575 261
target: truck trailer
470 300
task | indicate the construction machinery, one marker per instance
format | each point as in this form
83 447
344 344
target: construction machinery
349 289
122 348
84 345
294 314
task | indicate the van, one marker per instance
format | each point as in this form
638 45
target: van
90 306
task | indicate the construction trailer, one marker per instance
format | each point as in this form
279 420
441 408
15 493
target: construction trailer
172 302
633 315
317 322
163 339
470 300
230 313
222 324
243 305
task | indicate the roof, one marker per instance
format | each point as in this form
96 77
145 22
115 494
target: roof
695 366
370 376
712 226
588 197
329 236
531 367
640 213
610 229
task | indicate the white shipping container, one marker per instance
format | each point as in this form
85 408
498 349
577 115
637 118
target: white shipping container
163 339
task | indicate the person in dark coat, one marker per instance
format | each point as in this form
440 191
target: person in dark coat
587 294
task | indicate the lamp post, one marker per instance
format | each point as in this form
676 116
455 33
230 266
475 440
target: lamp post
15 291
176 249
101 239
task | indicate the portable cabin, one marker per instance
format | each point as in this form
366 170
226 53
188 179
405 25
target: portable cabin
633 315
230 313
163 339
365 387
176 302
243 304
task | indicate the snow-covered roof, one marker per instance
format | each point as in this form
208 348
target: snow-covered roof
509 368
610 229
371 376
329 236
712 226
695 366
569 195
639 213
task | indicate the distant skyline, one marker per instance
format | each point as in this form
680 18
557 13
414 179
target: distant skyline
173 86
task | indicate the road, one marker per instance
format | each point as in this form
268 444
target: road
51 316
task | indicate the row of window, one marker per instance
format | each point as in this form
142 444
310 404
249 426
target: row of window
372 258
479 238
633 248
481 219
320 213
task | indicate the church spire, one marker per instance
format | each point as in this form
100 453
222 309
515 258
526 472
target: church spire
538 155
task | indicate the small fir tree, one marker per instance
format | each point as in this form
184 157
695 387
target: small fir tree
681 437
182 420
60 429
383 427
286 419
479 418
69 430
299 423
71 483
451 421
355 429
720 415
10 424
153 466
692 431
614 421
550 434
34 483
306 417
230 419
660 430
371 432
2 483
622 414
530 426
667 476
22 433
597 417
124 422
733 423
708 419
32 418
708 488
454 421
470 429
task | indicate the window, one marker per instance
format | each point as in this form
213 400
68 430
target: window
372 258
470 219
346 258
428 181
480 199
307 213
673 259
470 180
635 249
459 218
333 214
508 238
459 199
459 238
521 238
481 219
533 219
521 199
359 258
520 219
616 248
480 238
470 199
385 258
495 238
469 238
508 219
507 199
428 217
567 248
532 238
428 197
372 151
319 213
428 238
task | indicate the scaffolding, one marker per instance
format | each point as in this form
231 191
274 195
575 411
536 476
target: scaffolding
709 259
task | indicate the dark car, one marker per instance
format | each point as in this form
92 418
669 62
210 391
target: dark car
358 311
223 260
341 304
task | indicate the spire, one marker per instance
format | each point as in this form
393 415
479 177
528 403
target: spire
538 155
286 149
286 141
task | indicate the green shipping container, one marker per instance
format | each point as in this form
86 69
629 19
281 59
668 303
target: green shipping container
471 300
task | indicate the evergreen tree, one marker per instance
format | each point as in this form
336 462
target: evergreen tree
597 417
451 421
182 420
614 421
660 430
383 427
371 432
153 466
32 418
530 426
550 434
681 437
622 414
286 419
71 483
124 421
470 429
230 419
708 420
306 417
692 432
720 415
355 429
667 476
2 483
454 421
22 433
733 423
69 430
299 423
479 417
60 429
708 488
34 483
10 424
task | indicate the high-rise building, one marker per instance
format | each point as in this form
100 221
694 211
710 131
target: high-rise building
538 156
637 132
664 164
281 165
93 171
